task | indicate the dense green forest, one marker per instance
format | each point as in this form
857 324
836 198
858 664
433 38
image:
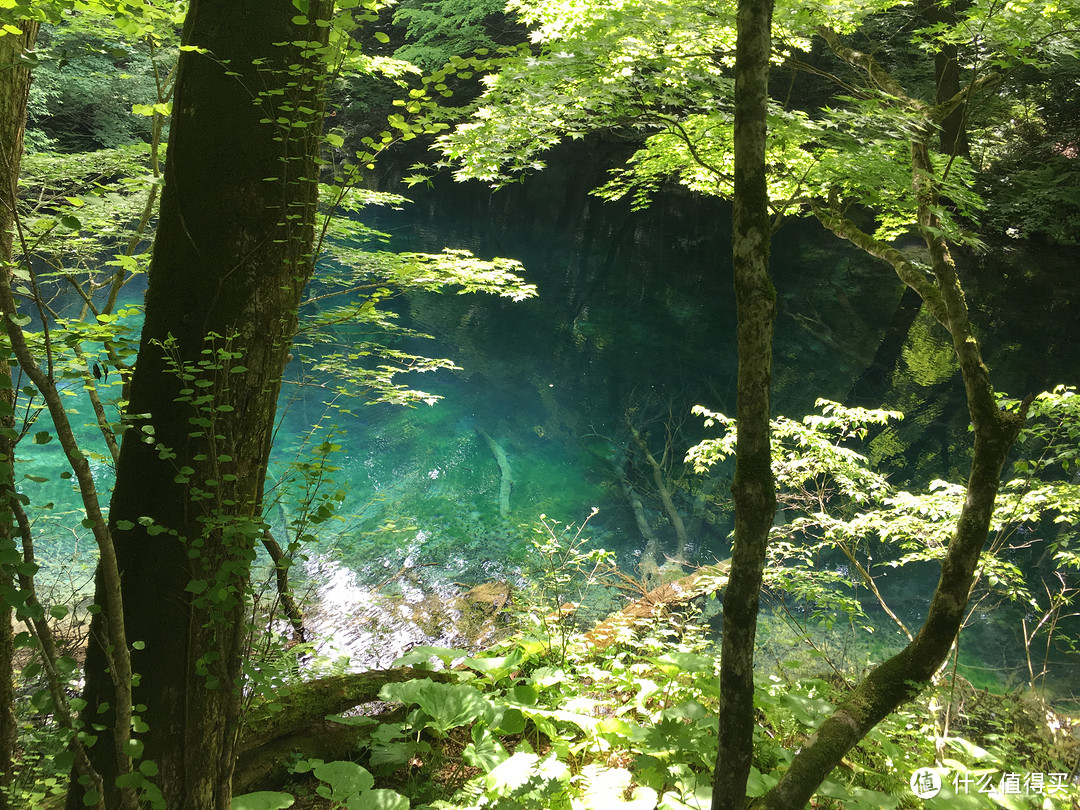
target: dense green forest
842 568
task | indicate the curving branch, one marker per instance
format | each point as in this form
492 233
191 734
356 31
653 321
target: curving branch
662 488
878 76
910 273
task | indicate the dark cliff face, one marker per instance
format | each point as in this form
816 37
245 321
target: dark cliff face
638 304
642 298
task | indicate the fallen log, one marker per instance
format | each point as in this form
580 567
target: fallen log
506 475
679 591
296 721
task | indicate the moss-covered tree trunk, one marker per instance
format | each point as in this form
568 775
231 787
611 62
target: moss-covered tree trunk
900 678
231 255
14 92
753 489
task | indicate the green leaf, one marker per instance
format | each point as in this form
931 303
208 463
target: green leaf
451 705
420 655
403 692
497 667
607 787
508 720
381 37
164 108
378 799
42 437
391 753
303 766
525 694
513 773
345 778
262 800
485 751
149 768
807 710
686 662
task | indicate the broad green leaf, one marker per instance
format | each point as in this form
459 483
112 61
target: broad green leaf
378 799
809 711
513 773
507 720
404 692
420 654
606 788
485 751
524 693
496 667
262 800
345 778
757 783
452 705
686 662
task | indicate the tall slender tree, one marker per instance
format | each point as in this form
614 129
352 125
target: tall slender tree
232 252
754 490
14 93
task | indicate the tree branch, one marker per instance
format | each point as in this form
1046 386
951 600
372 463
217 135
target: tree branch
910 273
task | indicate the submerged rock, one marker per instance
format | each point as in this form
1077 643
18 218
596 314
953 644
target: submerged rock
372 626
480 609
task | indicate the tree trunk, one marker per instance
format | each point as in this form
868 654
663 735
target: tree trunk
14 93
753 489
900 678
231 255
952 139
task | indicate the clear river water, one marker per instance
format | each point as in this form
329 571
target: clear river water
633 324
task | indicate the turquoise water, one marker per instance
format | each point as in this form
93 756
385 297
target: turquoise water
634 324
422 483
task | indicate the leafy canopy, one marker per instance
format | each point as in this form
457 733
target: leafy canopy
662 73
